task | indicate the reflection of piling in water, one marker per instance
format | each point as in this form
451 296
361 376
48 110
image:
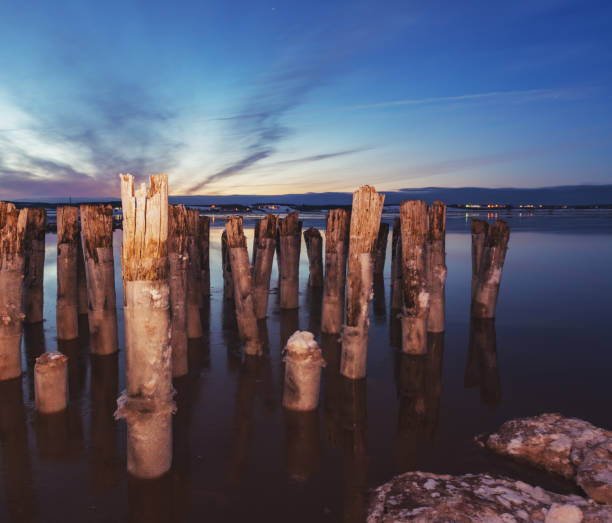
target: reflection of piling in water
482 367
51 382
97 227
331 347
314 250
314 297
418 382
303 361
52 435
490 270
415 304
12 266
436 266
103 454
150 500
147 403
289 323
205 255
178 263
68 238
34 345
290 232
379 305
381 249
336 247
34 253
194 275
16 467
230 335
302 443
243 286
226 264
263 258
365 221
396 266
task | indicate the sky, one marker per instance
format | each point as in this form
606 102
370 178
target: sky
288 97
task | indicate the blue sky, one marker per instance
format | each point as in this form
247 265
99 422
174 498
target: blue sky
278 97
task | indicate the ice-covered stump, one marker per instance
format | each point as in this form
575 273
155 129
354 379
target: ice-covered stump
147 403
243 286
264 247
490 270
336 248
289 238
68 238
178 262
12 266
570 447
314 250
365 221
415 297
97 228
51 382
34 252
303 362
436 265
423 497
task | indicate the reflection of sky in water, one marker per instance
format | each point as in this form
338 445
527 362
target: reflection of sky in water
552 338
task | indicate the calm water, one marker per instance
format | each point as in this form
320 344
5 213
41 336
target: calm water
238 455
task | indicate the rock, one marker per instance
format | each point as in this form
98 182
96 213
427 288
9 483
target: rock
570 447
423 497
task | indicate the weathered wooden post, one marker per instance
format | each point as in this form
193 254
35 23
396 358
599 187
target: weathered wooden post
303 362
365 220
194 275
436 266
415 305
396 267
147 403
228 279
82 298
265 245
490 270
51 382
256 240
12 266
243 286
34 250
480 231
314 250
381 248
289 260
68 239
336 243
97 230
178 263
205 255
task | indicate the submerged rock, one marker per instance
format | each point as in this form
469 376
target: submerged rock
420 496
570 447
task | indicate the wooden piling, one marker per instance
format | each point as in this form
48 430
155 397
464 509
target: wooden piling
415 304
289 231
480 231
194 275
97 230
381 248
336 247
490 270
205 256
365 221
68 239
147 403
436 266
264 246
12 266
303 362
178 262
34 252
396 266
228 279
82 298
243 286
51 382
314 250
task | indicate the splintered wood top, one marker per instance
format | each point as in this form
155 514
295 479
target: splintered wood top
97 226
365 219
235 236
12 229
